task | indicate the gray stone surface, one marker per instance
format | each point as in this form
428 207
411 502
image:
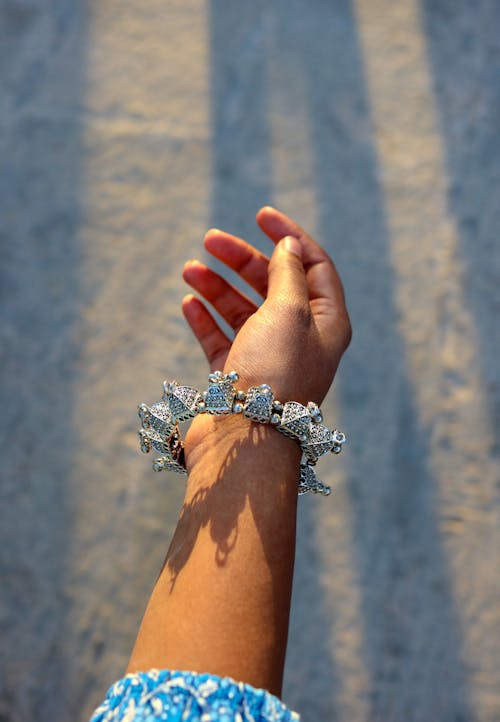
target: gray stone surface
127 129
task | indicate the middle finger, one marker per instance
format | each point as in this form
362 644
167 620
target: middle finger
233 306
240 256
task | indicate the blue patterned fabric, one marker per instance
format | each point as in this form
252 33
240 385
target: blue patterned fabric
188 697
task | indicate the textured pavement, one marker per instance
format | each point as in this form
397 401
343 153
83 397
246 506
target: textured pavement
129 128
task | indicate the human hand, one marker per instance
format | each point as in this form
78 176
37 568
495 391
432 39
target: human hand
295 339
222 600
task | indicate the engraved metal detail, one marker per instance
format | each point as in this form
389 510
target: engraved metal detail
160 418
166 463
309 482
295 421
160 423
182 400
220 394
259 403
319 441
158 442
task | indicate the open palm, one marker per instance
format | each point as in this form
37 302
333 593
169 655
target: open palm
294 340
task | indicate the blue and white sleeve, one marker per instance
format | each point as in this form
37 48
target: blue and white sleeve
188 697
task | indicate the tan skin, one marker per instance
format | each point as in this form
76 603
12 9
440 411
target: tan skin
221 603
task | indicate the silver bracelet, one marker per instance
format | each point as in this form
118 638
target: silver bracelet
160 423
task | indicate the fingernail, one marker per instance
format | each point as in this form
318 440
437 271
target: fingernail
292 244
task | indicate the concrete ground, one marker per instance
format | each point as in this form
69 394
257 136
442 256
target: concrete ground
127 129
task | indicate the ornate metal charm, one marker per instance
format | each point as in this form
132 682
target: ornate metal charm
319 441
166 463
170 446
182 400
220 394
295 421
158 442
160 418
309 482
259 403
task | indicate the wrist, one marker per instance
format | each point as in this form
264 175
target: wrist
212 441
226 431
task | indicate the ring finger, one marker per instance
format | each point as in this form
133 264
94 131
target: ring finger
233 306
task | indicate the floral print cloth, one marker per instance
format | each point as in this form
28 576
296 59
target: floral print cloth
188 697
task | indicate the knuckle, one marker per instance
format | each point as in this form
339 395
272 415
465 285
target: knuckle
298 311
237 320
213 346
345 330
214 353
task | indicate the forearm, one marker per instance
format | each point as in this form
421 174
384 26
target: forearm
221 603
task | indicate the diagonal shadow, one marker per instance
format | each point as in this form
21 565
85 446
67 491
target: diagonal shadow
241 176
197 513
413 643
41 67
462 43
242 182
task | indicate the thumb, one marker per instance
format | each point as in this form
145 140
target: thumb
286 274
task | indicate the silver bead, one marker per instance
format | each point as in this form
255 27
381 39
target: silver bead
315 412
158 464
233 376
144 415
339 437
145 443
277 406
237 408
168 387
201 407
240 396
274 420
